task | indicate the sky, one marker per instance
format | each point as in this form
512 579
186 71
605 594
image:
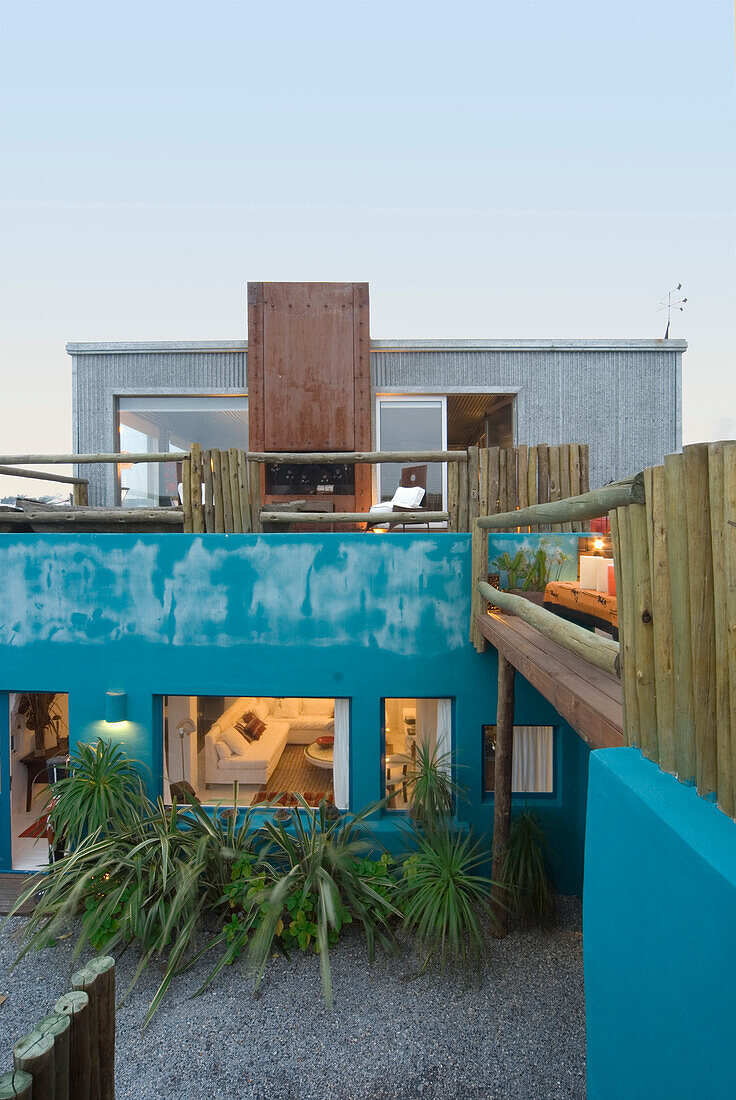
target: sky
500 170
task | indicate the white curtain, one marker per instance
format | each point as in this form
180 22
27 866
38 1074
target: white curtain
532 768
444 732
341 754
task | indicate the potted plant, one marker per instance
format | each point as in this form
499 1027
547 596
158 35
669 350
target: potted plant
42 715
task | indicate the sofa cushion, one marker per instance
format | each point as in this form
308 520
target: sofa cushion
317 706
235 741
288 708
223 750
315 722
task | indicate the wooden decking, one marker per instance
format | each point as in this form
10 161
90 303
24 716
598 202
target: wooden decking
587 698
11 887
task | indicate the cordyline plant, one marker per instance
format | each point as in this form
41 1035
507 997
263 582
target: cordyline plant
530 891
104 793
433 792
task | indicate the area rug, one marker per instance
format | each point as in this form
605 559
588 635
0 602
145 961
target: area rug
295 775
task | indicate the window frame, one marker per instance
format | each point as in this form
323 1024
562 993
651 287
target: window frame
382 755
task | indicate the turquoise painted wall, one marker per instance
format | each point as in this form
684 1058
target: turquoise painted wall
659 919
356 615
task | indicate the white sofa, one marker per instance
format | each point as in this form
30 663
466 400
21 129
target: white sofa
288 721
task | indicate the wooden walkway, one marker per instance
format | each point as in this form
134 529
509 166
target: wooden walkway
11 887
586 697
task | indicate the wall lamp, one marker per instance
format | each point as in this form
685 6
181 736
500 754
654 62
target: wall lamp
116 706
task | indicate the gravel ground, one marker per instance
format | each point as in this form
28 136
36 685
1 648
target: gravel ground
390 1035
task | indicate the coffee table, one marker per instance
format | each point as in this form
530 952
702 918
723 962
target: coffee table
319 756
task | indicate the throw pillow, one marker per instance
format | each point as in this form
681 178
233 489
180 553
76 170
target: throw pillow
235 741
243 730
224 752
260 708
254 727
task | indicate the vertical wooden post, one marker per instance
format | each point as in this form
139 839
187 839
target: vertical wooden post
642 625
80 496
503 484
502 794
186 492
35 1054
682 660
659 575
85 980
209 491
473 486
625 591
58 1026
729 528
235 491
195 476
227 501
76 1007
543 480
702 612
718 532
494 473
522 460
462 497
452 486
574 452
254 490
616 548
104 968
242 465
554 481
564 452
584 468
219 510
532 490
16 1085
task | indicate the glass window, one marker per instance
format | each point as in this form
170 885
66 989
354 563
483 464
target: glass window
406 723
39 744
273 747
412 424
532 764
172 424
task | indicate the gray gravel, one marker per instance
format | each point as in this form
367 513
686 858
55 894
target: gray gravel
390 1035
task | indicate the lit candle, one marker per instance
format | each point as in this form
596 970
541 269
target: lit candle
588 570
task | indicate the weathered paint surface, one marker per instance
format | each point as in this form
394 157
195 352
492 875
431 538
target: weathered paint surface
358 616
659 910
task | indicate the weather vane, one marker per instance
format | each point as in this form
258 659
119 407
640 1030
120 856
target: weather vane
670 302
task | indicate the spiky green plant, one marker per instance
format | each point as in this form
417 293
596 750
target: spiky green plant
530 891
444 898
321 858
149 885
104 793
432 791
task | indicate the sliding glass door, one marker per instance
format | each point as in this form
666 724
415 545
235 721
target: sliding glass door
412 424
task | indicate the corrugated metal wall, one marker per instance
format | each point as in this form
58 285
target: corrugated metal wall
101 377
622 399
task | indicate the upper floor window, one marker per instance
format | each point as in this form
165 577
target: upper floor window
412 424
172 424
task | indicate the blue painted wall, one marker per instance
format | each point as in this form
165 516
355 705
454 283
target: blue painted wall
356 615
659 918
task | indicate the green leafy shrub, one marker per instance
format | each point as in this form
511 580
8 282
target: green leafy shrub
530 891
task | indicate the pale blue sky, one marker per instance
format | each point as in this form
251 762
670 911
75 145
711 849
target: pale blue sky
492 169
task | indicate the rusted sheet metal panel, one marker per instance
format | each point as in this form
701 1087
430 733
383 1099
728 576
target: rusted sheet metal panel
308 365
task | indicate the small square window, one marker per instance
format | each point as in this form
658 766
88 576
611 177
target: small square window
532 766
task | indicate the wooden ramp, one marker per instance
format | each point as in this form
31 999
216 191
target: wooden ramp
587 698
11 887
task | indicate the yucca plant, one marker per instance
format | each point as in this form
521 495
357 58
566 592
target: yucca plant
432 790
445 899
530 891
104 793
320 858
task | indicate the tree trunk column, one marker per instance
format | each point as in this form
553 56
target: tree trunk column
502 791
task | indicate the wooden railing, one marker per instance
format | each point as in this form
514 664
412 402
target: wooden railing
673 531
